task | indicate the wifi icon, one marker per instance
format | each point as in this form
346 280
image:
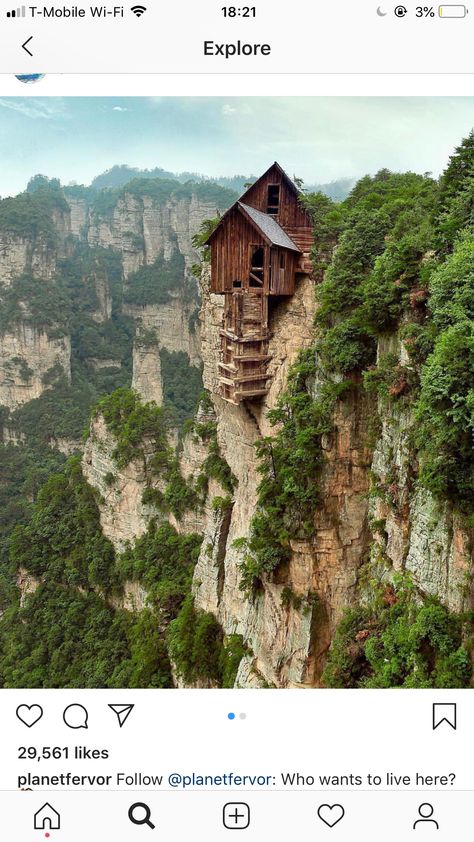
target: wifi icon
138 10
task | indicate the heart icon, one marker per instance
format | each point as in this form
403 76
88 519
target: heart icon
331 814
29 714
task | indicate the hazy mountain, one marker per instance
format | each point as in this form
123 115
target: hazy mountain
121 174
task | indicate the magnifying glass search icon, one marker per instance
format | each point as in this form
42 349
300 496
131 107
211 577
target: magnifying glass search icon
140 813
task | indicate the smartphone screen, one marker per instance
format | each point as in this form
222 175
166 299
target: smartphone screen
236 421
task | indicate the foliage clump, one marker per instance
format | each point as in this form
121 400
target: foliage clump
62 638
63 540
400 640
195 641
200 651
182 385
30 214
41 304
133 424
156 283
378 262
445 411
214 465
163 562
44 643
445 408
199 244
454 208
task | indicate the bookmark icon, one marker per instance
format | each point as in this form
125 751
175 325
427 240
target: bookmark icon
122 712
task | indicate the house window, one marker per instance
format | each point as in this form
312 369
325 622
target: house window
282 259
273 199
257 261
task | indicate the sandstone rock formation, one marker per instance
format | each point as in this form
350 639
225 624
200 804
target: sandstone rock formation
123 515
289 639
26 356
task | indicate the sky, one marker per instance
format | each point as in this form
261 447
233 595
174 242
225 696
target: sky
319 139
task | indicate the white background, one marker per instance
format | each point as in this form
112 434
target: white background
168 84
337 36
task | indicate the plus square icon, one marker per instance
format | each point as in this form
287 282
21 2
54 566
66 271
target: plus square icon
236 816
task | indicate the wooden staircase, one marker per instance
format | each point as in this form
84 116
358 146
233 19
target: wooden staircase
244 346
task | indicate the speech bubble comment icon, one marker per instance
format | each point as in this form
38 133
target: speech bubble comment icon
76 716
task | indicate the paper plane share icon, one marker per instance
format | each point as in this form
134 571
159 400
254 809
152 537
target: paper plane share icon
122 712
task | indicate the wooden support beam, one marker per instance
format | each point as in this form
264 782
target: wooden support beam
249 378
252 358
255 393
243 339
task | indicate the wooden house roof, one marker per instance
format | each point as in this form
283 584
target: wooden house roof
286 178
268 227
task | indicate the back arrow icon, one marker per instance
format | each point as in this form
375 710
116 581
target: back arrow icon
25 48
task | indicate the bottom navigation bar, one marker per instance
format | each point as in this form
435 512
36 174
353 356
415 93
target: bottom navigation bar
277 815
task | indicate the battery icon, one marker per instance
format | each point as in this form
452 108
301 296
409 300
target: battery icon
452 11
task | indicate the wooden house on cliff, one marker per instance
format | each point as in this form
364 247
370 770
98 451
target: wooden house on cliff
258 248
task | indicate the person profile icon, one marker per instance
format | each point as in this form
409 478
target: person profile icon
426 812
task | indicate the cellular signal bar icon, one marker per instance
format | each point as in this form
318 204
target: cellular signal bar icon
17 13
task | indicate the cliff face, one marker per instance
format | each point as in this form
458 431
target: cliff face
141 229
27 352
280 638
371 513
146 367
120 489
169 324
138 229
34 254
412 530
20 254
123 515
26 356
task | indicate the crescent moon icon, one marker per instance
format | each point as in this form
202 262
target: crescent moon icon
380 13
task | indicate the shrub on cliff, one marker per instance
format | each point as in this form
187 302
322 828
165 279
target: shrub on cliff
445 411
182 385
163 562
155 284
399 640
62 638
63 540
195 641
30 214
378 260
200 651
455 205
132 423
451 288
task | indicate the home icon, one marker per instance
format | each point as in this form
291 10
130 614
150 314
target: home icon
47 818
